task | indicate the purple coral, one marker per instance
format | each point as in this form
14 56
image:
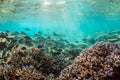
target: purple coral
99 62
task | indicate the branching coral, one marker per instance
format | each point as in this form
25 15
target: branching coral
9 72
31 64
99 62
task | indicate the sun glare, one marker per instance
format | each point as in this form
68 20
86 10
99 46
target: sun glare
51 3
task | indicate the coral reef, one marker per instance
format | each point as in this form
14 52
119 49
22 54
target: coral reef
5 38
42 58
9 72
19 53
99 62
30 64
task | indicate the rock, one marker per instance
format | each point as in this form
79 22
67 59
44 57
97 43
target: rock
27 38
3 35
11 44
4 53
10 37
3 43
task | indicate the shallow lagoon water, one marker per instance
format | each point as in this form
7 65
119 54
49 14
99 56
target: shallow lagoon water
73 20
59 40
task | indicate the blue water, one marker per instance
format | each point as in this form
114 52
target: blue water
72 19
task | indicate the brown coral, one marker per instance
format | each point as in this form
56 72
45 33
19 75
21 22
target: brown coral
31 64
9 72
99 62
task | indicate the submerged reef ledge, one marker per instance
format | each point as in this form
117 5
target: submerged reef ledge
25 58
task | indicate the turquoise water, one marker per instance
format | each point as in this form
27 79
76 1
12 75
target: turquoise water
72 19
59 39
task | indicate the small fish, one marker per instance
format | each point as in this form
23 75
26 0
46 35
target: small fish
7 31
27 29
4 53
39 32
76 41
23 33
45 35
61 39
55 34
69 57
11 44
64 40
48 37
